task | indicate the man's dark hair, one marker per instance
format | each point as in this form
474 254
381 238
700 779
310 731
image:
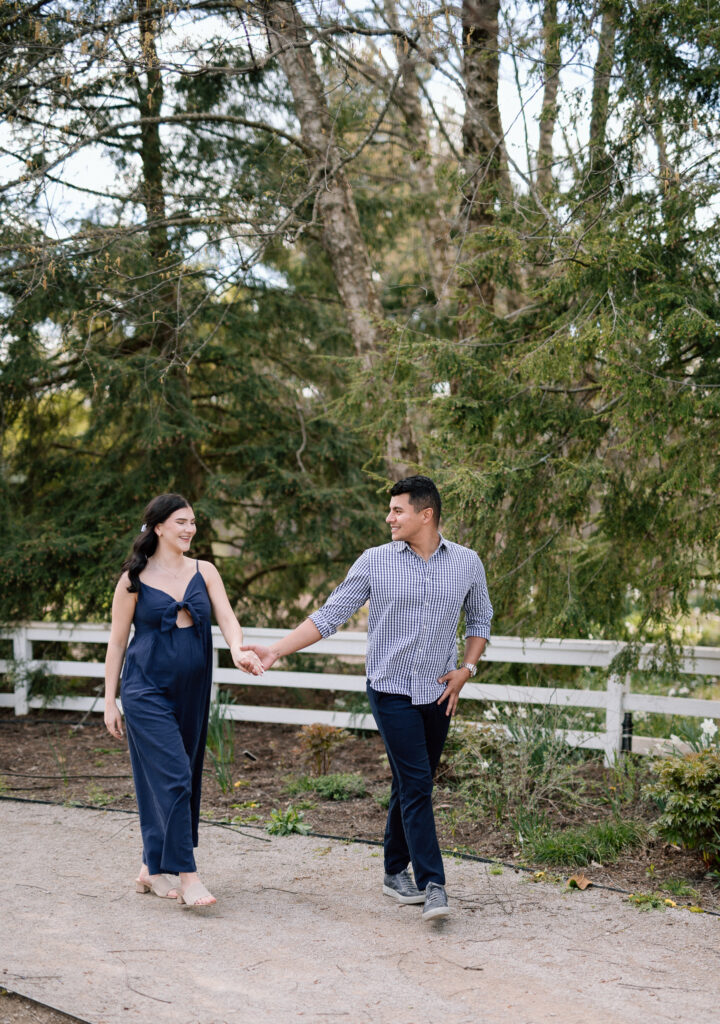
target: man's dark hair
422 493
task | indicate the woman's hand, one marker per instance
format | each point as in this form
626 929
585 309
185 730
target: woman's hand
113 719
266 655
247 661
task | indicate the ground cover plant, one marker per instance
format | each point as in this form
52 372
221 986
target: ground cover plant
334 786
560 808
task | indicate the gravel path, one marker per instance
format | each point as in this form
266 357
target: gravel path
302 933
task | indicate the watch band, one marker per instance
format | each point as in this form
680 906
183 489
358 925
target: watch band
472 669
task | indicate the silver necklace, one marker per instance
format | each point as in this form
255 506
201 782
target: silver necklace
164 568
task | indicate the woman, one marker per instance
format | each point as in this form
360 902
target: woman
166 688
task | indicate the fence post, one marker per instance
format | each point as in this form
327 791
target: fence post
627 733
614 718
213 685
22 654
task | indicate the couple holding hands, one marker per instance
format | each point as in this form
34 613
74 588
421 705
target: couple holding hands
417 586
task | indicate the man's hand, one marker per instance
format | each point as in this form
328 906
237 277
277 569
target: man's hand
247 661
454 682
267 655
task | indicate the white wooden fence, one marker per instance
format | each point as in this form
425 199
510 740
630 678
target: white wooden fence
616 699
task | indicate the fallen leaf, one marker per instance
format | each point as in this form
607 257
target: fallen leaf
579 881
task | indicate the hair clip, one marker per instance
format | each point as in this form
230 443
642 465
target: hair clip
143 528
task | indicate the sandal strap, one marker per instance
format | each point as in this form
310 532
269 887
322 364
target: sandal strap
163 885
194 892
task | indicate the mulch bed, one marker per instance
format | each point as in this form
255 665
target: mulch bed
45 757
16 1009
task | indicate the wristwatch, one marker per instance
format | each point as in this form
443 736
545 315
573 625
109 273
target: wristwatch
472 669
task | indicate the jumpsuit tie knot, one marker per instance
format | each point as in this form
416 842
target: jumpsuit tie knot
172 610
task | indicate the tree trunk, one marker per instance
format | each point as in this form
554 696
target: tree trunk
548 116
150 100
482 136
601 93
341 234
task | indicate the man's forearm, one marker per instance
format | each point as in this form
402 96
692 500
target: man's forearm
302 636
474 648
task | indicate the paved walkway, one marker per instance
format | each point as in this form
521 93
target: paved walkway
302 933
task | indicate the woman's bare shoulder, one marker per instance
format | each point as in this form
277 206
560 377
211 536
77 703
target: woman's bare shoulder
124 597
208 570
124 582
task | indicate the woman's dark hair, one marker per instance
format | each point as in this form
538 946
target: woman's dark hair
146 541
422 493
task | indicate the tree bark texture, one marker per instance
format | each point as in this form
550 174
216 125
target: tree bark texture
335 205
548 116
602 73
341 234
482 135
150 101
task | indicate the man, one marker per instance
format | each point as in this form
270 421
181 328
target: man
417 586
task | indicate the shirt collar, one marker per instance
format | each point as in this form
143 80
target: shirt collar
402 545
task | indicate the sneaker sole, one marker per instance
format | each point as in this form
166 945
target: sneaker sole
420 898
435 912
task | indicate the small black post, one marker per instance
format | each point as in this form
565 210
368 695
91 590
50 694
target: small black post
627 733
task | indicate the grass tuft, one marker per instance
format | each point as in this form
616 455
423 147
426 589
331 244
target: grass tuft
578 846
335 786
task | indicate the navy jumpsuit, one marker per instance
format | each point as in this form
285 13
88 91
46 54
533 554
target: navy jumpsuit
165 699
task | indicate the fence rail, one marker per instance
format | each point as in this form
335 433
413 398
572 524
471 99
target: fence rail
616 699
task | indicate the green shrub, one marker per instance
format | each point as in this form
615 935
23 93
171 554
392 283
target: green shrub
687 791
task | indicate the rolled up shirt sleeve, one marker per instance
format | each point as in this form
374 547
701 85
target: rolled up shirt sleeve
478 609
346 598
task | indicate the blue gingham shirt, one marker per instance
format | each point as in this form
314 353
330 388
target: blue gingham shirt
414 612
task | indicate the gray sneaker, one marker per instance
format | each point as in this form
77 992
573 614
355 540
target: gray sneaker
402 888
436 902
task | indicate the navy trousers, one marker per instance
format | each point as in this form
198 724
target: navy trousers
414 736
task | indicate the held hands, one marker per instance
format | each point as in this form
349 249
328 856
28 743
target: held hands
454 682
247 661
266 655
113 720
